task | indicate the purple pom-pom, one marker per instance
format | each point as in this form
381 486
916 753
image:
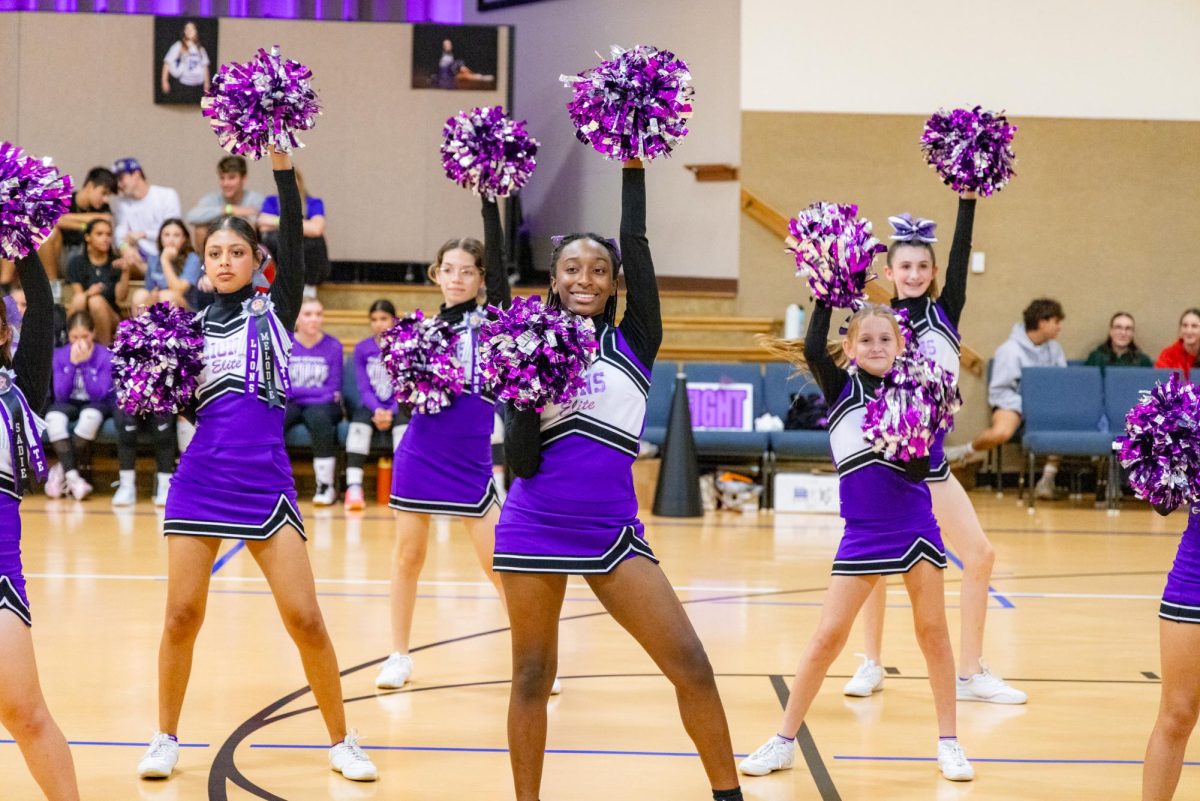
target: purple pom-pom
534 355
635 105
33 195
261 103
157 359
487 152
421 355
1161 445
970 148
834 248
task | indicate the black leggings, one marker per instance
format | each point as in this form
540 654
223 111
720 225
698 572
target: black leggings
165 442
321 420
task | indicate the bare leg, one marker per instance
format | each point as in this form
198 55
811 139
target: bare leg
960 526
284 562
483 537
408 557
873 612
534 602
8 271
1179 644
927 590
189 567
23 712
1005 423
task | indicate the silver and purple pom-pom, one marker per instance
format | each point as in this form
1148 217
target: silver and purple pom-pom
157 359
33 195
488 152
634 105
261 103
970 148
1161 445
534 355
918 399
421 355
834 248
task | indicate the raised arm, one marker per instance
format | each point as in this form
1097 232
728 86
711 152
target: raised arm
954 294
288 290
831 378
499 292
642 323
34 357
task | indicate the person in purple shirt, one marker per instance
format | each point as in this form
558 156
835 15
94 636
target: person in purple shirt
316 252
377 403
315 395
83 394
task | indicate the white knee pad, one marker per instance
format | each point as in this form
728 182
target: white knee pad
398 434
358 439
184 431
89 424
56 426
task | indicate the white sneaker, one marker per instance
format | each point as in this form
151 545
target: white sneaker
326 495
395 672
160 758
988 687
775 754
556 687
963 454
355 501
163 487
1044 491
866 680
348 759
126 495
78 487
56 482
952 762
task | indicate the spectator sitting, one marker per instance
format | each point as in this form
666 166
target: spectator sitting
172 275
1119 350
316 254
315 394
98 283
140 210
1029 345
88 202
1184 354
233 199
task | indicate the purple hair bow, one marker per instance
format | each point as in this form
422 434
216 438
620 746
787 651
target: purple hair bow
557 239
909 230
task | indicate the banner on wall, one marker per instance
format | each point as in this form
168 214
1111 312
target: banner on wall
185 56
721 407
455 57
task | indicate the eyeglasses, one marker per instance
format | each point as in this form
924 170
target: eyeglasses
448 271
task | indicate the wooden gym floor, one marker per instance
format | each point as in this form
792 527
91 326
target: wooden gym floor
1072 622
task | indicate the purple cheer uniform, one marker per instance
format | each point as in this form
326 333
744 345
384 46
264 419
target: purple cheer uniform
1181 596
572 508
443 464
235 478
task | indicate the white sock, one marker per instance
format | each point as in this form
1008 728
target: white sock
354 476
324 468
128 477
1048 474
73 475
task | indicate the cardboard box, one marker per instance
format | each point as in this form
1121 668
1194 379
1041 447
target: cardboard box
806 492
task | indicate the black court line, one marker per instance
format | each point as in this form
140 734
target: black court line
1150 674
892 671
808 747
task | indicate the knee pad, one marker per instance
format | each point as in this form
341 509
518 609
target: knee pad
398 434
358 439
56 426
184 431
89 423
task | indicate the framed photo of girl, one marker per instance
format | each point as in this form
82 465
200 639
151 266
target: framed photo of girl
185 55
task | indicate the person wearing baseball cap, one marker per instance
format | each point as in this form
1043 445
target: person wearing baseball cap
140 211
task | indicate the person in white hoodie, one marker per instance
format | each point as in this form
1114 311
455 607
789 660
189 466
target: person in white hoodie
1029 345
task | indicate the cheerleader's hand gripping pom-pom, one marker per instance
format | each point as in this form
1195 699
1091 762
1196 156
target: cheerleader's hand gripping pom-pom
261 103
1161 445
157 359
918 399
33 195
487 152
970 148
834 249
634 105
421 356
534 355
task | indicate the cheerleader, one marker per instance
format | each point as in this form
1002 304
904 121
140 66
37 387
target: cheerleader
890 529
572 508
315 394
912 268
83 394
377 408
24 385
444 462
235 481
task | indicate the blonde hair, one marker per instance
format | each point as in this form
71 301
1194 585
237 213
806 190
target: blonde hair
792 350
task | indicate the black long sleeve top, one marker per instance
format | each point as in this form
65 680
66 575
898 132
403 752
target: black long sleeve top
953 297
33 360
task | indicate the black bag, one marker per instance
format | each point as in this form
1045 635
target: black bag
807 413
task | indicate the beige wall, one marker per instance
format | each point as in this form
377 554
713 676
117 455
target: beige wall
1103 215
373 156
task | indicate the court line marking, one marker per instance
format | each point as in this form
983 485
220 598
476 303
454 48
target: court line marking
808 748
225 557
116 744
1003 760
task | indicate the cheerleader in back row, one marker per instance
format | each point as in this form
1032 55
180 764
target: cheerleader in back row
315 394
235 480
573 510
890 529
934 317
444 462
24 385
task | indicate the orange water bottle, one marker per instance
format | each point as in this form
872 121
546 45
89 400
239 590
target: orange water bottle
383 480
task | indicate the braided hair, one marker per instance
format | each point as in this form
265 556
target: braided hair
610 307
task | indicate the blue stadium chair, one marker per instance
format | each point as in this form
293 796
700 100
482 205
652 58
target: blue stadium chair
781 385
731 444
658 404
1063 408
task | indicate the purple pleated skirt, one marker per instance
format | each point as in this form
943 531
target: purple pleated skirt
12 576
1181 596
443 464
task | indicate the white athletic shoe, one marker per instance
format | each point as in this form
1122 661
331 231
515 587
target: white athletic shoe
395 672
56 482
160 758
348 759
963 454
126 495
1046 491
162 488
775 754
556 687
952 762
326 495
866 680
78 487
987 687
355 501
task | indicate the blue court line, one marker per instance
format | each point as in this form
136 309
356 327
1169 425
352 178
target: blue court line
1004 760
225 557
465 750
1000 599
107 743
